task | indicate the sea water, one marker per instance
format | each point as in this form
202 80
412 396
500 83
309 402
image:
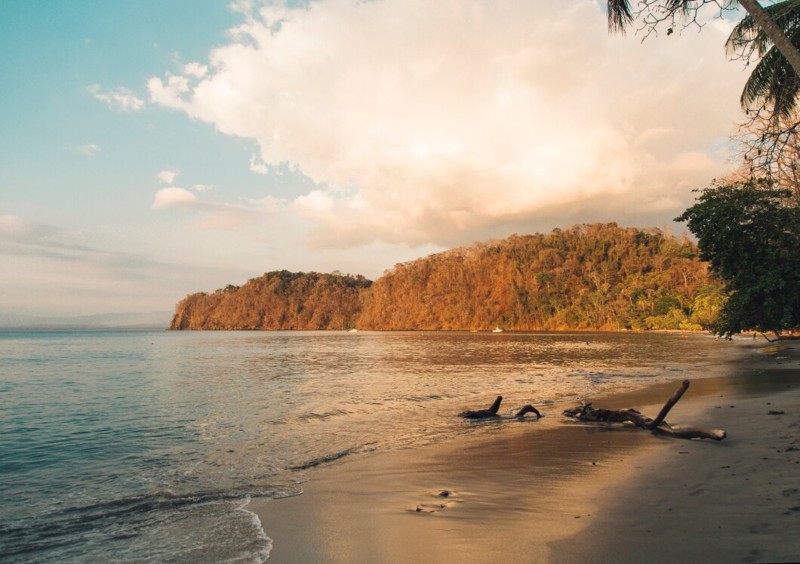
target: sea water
148 445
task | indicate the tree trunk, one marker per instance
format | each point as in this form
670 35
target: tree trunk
776 35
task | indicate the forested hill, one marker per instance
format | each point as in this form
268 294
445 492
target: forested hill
586 277
276 300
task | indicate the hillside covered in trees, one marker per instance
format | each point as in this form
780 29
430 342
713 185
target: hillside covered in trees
586 277
276 300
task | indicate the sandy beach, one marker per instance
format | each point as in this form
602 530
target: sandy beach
553 490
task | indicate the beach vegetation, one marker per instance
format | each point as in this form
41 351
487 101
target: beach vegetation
749 231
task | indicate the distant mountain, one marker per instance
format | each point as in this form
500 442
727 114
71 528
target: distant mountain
133 320
600 276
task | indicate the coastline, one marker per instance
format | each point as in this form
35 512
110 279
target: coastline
696 501
558 491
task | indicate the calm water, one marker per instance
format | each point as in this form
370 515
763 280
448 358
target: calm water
132 446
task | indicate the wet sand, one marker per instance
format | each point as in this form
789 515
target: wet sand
553 490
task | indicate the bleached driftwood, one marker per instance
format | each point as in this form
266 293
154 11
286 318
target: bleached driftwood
586 412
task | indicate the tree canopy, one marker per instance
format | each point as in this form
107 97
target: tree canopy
586 277
750 233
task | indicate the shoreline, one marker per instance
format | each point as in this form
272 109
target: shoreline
558 491
696 501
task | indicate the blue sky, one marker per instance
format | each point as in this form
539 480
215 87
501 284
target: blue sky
152 149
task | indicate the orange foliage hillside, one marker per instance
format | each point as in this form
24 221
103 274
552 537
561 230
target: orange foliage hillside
586 277
276 300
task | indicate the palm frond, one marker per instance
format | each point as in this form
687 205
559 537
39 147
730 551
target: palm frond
619 15
747 36
674 6
772 82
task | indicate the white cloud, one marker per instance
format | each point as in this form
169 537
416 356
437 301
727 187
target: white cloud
195 69
268 204
174 198
118 98
257 165
202 187
429 122
214 215
168 176
90 149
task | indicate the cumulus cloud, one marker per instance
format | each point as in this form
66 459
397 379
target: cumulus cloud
195 69
175 198
427 122
168 176
118 98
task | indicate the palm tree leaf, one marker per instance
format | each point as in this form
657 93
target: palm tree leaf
772 82
619 15
748 36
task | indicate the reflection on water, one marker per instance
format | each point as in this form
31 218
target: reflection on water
155 426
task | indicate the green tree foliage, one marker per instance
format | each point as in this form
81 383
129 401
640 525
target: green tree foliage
772 82
752 239
707 307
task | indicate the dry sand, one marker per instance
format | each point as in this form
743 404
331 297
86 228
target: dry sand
557 491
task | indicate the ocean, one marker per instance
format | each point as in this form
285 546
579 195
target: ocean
149 445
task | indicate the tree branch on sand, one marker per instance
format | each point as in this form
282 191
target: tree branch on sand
586 412
491 412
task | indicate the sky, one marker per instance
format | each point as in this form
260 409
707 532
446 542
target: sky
152 149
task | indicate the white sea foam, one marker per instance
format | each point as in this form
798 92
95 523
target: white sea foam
263 554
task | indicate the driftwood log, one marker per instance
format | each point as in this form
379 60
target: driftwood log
491 412
586 412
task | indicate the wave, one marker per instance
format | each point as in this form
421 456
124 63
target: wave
322 459
161 522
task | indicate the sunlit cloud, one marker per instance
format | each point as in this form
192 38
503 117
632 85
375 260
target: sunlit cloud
214 215
167 176
267 204
195 69
13 227
431 122
174 197
118 98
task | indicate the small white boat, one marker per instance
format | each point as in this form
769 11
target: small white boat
353 330
497 330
